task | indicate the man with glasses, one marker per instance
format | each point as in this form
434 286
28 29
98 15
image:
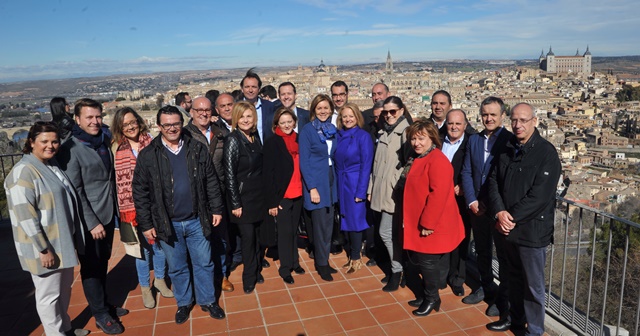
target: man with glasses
178 203
340 96
522 190
202 129
482 149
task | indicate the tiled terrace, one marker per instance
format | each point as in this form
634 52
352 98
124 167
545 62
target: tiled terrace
350 305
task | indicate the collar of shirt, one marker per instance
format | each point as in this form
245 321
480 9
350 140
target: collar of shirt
226 124
438 125
446 139
167 146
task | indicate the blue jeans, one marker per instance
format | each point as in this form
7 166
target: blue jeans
189 241
150 253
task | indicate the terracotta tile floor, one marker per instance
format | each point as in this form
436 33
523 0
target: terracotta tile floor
350 305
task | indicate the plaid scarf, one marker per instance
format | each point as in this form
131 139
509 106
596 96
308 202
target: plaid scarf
125 164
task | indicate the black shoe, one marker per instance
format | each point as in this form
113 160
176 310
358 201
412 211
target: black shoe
325 273
288 279
260 279
474 297
182 315
394 282
416 303
214 311
110 326
499 325
457 290
492 310
234 265
299 270
426 307
118 311
248 289
385 279
332 270
371 263
265 263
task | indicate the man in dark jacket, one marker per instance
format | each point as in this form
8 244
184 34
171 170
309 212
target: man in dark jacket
178 202
206 132
522 190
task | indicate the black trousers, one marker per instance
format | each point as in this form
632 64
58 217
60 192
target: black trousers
484 234
354 244
433 268
287 224
458 259
252 254
93 271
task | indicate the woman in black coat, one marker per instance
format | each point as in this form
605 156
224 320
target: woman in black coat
242 161
283 189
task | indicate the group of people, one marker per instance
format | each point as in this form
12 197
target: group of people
244 173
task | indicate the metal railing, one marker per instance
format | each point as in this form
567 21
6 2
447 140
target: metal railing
6 163
593 270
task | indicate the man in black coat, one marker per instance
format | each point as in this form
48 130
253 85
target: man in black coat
178 202
454 145
522 190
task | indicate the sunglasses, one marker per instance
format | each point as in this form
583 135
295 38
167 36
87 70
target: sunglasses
392 112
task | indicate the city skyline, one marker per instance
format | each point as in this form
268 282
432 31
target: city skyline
61 39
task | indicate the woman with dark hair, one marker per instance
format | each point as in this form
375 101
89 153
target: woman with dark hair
45 224
319 188
387 166
242 161
353 158
431 229
61 116
130 136
283 189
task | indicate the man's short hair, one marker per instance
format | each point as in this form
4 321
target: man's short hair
464 114
180 98
491 100
340 83
168 110
251 74
378 105
442 92
287 84
85 102
269 91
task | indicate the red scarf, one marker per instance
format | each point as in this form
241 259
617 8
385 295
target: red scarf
289 141
125 163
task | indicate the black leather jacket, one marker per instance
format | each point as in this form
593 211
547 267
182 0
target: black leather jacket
215 146
153 187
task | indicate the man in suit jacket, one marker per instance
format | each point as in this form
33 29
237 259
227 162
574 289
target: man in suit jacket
250 85
440 105
379 92
454 147
478 163
287 94
87 159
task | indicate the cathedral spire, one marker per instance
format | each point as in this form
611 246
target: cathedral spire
389 64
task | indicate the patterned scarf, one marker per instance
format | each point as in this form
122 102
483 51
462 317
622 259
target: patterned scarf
326 130
289 141
407 167
125 164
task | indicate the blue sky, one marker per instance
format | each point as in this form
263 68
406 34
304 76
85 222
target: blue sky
70 38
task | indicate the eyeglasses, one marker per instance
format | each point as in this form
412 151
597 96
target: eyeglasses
203 111
521 121
167 127
392 112
132 124
341 95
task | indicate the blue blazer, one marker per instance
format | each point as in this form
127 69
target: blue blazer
268 110
475 170
303 117
314 166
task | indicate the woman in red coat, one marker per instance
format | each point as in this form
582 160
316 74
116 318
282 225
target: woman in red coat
432 223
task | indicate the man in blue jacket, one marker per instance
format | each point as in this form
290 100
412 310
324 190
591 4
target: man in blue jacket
522 190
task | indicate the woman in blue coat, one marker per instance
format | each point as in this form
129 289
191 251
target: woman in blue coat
317 143
353 159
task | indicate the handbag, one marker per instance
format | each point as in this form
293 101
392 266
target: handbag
129 237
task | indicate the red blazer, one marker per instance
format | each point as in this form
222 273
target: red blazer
429 202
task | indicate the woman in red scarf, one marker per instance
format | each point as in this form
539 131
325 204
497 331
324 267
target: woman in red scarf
130 136
283 189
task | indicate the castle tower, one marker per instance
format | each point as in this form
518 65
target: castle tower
586 67
551 64
389 64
